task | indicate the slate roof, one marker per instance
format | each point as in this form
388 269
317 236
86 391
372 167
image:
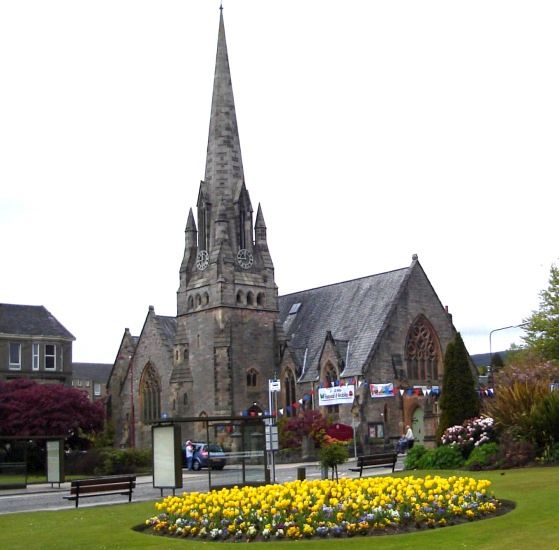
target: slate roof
355 312
31 321
167 329
98 372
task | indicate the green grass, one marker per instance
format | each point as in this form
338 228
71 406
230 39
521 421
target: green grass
534 524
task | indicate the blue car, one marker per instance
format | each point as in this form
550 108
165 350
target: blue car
206 455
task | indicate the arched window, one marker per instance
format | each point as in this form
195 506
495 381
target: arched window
329 380
240 297
260 299
150 394
422 351
252 378
185 356
290 394
206 298
198 300
250 299
190 302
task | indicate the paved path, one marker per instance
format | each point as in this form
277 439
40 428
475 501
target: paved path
39 497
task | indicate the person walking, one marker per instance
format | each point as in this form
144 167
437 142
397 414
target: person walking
189 450
409 437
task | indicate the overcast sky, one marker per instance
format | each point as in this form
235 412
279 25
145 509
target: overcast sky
370 131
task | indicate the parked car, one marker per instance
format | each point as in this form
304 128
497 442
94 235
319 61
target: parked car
206 454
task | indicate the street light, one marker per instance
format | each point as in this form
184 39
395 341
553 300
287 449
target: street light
491 334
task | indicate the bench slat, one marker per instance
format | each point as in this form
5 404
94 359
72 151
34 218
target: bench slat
115 485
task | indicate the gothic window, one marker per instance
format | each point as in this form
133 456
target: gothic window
252 378
329 380
150 394
203 233
185 354
242 220
190 302
240 297
206 298
250 299
422 351
260 299
198 300
289 392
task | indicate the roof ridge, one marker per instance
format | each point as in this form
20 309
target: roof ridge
347 281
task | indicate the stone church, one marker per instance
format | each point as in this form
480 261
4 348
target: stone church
379 339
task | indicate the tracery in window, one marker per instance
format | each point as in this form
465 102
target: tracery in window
422 351
150 394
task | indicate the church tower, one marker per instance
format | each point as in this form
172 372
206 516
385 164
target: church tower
227 303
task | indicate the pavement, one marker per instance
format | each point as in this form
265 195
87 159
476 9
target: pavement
46 496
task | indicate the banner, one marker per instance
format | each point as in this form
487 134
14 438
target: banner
382 390
337 395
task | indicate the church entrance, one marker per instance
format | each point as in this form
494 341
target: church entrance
418 425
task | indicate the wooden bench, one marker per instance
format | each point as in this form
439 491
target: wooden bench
98 486
375 461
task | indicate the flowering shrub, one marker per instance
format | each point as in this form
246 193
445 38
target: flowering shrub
472 433
323 508
309 424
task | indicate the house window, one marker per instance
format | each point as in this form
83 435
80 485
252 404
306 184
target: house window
87 383
35 357
79 383
96 389
50 357
15 356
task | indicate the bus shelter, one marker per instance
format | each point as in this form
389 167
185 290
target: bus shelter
231 448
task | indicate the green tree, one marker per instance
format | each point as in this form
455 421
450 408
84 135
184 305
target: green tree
459 399
497 361
542 330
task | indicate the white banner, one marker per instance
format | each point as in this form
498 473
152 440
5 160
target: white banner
382 390
336 395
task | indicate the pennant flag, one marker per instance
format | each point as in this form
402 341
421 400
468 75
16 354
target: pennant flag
280 411
300 401
402 391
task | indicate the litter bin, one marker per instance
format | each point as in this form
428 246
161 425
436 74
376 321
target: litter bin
301 473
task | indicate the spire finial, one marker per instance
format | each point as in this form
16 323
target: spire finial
221 6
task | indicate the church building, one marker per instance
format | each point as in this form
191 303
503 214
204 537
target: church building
378 340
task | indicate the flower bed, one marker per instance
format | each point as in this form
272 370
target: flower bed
324 508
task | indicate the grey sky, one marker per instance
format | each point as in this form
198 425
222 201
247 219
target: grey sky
370 131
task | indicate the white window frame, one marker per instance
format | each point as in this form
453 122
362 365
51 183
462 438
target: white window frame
53 355
96 389
36 356
87 383
79 383
14 366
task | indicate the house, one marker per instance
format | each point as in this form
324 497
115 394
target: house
91 378
34 345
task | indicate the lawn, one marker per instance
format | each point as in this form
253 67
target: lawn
534 524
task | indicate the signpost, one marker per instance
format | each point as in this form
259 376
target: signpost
272 439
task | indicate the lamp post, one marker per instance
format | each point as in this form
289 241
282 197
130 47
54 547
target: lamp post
490 347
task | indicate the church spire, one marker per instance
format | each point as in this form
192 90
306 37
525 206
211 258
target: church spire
224 166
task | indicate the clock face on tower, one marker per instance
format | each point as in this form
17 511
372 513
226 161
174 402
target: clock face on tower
244 258
202 260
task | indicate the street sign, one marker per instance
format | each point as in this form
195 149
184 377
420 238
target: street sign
272 439
274 385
